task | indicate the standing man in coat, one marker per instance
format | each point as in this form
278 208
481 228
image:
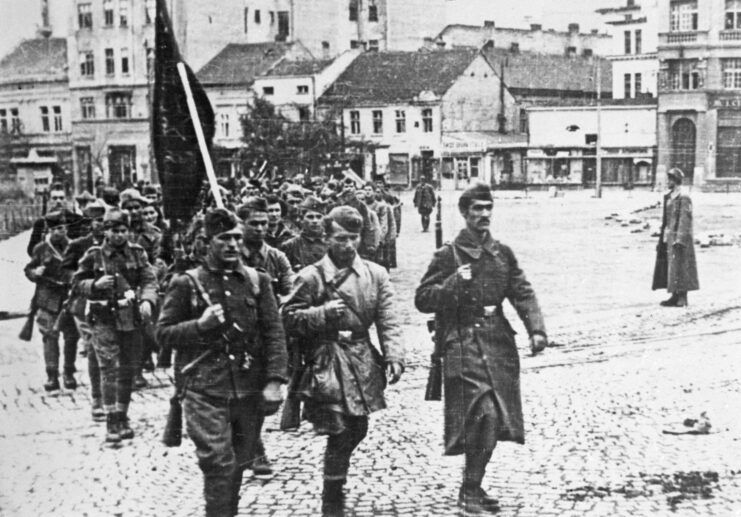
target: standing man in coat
222 317
677 243
332 306
310 245
424 200
465 286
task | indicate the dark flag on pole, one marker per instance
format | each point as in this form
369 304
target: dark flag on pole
179 162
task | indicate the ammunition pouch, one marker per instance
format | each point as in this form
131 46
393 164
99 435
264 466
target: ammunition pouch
123 314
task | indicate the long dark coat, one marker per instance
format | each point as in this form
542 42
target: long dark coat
677 236
480 355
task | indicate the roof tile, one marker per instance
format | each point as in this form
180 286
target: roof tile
35 60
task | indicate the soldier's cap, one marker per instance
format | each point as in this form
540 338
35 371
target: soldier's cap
346 217
94 211
476 192
150 190
295 190
317 180
312 204
85 197
55 219
116 217
219 220
111 196
252 204
131 194
676 174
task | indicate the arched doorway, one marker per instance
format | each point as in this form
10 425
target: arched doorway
683 147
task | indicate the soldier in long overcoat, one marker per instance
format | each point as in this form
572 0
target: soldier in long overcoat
677 238
465 286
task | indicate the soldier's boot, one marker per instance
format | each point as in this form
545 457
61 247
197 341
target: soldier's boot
670 302
475 500
97 411
52 380
681 299
69 380
124 429
333 498
112 430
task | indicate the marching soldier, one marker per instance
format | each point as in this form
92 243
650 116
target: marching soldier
57 203
222 318
465 286
309 246
121 289
278 233
332 306
52 286
424 200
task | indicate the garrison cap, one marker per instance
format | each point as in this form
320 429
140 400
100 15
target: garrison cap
312 204
111 195
676 174
116 217
131 194
476 192
219 220
94 211
347 217
252 204
55 218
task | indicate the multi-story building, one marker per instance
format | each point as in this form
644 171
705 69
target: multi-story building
635 64
571 42
699 113
35 137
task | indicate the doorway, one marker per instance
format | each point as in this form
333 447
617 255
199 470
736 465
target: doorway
683 147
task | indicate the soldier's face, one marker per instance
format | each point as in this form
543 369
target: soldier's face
57 200
342 244
96 226
274 213
671 182
58 232
134 208
149 214
224 247
478 216
312 222
117 235
255 227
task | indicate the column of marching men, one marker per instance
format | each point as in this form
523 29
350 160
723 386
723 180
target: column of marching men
280 287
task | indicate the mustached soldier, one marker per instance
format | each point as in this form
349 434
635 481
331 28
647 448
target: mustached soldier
228 312
465 286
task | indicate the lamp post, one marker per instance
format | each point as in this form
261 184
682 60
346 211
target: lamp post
598 157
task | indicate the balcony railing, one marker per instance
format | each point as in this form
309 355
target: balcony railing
731 35
683 38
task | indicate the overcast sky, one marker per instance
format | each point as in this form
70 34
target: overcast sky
20 18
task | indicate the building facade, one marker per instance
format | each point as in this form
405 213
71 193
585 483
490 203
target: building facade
699 119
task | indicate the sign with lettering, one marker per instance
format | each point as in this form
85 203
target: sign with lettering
726 102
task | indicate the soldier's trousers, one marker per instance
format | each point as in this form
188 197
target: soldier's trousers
118 355
50 338
93 370
223 432
341 446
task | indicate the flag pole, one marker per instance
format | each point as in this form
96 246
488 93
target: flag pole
199 135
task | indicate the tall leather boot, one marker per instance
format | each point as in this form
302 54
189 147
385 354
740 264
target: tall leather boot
333 498
69 380
681 299
52 380
124 430
112 435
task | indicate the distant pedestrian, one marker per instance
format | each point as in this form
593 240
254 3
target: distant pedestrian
424 200
676 267
465 286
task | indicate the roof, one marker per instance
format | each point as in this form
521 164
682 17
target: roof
389 77
35 60
303 67
240 63
548 72
482 30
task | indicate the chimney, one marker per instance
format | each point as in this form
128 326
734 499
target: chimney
45 30
574 27
536 27
489 24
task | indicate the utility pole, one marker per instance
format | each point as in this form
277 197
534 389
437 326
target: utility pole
598 157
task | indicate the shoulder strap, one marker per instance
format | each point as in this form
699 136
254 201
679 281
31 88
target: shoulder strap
192 275
335 285
457 262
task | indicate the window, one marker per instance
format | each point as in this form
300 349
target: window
246 19
475 162
123 12
3 121
149 11
355 122
401 121
377 122
354 44
108 13
683 75
524 128
571 51
626 85
302 89
427 120
272 17
731 73
57 110
637 84
85 16
587 52
639 41
373 45
304 114
44 119
224 125
110 63
372 12
268 90
258 18
683 15
353 10
325 45
733 14
627 36
87 107
118 105
15 121
87 64
125 61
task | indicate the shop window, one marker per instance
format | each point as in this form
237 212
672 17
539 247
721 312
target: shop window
728 162
427 120
731 73
58 126
733 14
627 39
108 14
110 63
377 122
87 64
462 168
627 81
87 107
118 105
638 41
355 122
85 16
683 15
125 61
401 121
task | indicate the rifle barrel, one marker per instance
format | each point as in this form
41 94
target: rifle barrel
439 224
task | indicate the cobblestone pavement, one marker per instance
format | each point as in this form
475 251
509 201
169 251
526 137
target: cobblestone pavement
595 406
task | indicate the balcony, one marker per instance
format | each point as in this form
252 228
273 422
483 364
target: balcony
730 35
691 38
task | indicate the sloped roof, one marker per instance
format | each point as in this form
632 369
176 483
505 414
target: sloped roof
389 77
532 71
240 63
303 67
35 60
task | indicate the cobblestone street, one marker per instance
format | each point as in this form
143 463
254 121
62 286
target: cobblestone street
621 371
